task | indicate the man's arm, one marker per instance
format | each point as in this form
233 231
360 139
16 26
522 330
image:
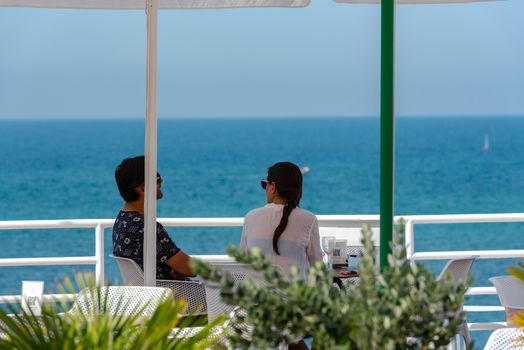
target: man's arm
180 264
178 261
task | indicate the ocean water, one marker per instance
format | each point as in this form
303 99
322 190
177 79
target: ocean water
213 167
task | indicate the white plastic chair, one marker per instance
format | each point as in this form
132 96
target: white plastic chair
193 292
505 339
215 306
115 301
511 294
120 300
458 270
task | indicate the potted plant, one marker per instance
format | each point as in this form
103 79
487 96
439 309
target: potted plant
401 307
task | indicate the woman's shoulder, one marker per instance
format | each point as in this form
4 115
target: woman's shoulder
255 211
305 213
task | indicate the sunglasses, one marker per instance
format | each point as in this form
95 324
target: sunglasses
263 184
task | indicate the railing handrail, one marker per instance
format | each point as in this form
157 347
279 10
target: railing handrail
54 224
341 220
238 221
477 254
462 218
412 220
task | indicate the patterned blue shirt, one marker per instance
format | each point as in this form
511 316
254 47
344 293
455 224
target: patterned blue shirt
128 242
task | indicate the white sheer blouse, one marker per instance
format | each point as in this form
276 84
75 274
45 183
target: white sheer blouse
298 245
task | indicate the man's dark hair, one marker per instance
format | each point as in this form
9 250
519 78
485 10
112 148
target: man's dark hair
128 175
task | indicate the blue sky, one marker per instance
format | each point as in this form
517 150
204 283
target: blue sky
323 60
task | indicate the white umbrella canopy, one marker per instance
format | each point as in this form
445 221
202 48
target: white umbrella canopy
162 4
411 1
151 7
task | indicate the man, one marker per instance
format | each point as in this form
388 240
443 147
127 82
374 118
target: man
128 230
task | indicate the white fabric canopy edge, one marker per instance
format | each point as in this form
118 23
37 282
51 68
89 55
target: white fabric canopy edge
163 4
411 1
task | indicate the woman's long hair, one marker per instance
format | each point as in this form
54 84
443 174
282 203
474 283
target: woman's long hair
287 178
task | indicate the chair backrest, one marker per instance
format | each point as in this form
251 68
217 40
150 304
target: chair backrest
458 269
131 272
240 272
505 339
191 291
120 300
510 291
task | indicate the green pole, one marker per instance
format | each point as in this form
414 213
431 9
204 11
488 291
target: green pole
387 127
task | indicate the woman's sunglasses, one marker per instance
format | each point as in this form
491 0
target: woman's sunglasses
263 184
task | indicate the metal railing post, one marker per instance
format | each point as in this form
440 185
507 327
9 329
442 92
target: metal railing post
99 254
409 239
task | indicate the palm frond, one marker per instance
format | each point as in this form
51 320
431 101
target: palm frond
518 272
100 323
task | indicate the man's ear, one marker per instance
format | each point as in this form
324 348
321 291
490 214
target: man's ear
141 189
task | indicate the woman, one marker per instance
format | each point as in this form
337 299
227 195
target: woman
287 234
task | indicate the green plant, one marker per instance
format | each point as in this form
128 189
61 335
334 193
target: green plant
98 327
518 272
402 307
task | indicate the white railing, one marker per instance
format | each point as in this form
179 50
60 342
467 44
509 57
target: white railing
411 221
98 259
99 225
346 221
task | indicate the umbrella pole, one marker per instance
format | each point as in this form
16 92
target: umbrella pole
151 145
387 127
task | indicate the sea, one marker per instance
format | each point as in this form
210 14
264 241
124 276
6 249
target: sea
64 169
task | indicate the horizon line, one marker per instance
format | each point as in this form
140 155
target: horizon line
109 118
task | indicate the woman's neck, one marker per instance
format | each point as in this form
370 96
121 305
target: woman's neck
279 200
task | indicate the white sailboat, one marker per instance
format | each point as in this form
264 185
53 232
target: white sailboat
486 143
